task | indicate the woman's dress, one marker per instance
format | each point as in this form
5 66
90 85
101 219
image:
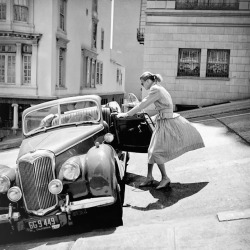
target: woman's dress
173 134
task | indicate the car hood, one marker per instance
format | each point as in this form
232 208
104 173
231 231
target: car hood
58 140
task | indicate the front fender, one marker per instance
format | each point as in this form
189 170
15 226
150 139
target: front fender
100 163
7 171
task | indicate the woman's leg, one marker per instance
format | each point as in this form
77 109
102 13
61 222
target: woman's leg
150 171
165 181
149 180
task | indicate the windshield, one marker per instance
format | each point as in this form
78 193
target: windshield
61 114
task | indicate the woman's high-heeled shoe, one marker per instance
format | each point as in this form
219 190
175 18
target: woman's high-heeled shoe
165 182
147 182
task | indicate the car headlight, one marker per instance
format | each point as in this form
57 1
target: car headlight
55 186
71 169
4 184
14 194
108 137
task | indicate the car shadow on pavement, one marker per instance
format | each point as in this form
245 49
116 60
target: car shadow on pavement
164 197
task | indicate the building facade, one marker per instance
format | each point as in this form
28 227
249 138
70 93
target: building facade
126 19
200 47
54 49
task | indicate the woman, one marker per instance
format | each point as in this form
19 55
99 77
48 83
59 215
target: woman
173 134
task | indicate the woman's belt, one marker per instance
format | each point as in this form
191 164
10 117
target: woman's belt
167 115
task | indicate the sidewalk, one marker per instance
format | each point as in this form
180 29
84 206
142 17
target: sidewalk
14 142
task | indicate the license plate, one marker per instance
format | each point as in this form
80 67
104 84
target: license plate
43 223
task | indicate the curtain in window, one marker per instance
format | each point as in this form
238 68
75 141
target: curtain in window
218 63
11 69
21 10
189 62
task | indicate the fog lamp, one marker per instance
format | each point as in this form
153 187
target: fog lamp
4 184
14 194
71 169
108 137
55 186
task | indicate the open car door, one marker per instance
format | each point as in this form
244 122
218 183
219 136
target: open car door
133 133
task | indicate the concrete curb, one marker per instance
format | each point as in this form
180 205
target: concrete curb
216 109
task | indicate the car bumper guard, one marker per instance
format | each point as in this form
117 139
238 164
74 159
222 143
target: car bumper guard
86 203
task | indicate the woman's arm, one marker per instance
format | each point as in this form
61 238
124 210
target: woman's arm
153 95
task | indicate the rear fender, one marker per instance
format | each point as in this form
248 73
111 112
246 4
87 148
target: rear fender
100 163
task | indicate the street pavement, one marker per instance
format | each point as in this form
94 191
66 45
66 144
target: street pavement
223 229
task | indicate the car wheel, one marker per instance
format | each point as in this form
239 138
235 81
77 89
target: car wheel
115 212
121 185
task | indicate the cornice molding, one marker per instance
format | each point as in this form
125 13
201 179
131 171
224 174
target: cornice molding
20 35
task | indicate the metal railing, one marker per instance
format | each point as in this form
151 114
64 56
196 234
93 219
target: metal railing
206 5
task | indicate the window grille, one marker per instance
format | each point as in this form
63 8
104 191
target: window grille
189 62
2 9
207 4
21 10
218 63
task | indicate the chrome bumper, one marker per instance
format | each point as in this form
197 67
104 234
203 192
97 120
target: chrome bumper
6 218
87 203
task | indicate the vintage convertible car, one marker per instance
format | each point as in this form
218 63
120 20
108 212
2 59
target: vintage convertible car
71 164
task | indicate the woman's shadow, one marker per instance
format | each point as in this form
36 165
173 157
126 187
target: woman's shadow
166 196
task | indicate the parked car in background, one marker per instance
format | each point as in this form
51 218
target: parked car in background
71 164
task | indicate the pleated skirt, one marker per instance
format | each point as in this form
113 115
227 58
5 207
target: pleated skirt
171 138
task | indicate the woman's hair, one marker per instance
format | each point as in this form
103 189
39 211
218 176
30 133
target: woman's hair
154 77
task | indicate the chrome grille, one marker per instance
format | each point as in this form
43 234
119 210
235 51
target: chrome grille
35 177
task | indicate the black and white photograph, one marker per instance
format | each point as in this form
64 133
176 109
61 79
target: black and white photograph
124 124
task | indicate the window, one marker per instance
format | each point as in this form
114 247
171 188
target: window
2 9
207 4
62 56
62 16
101 73
8 64
93 71
94 34
90 70
21 10
217 63
189 62
97 72
102 39
27 50
94 6
117 75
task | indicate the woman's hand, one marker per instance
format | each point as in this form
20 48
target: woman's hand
122 115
